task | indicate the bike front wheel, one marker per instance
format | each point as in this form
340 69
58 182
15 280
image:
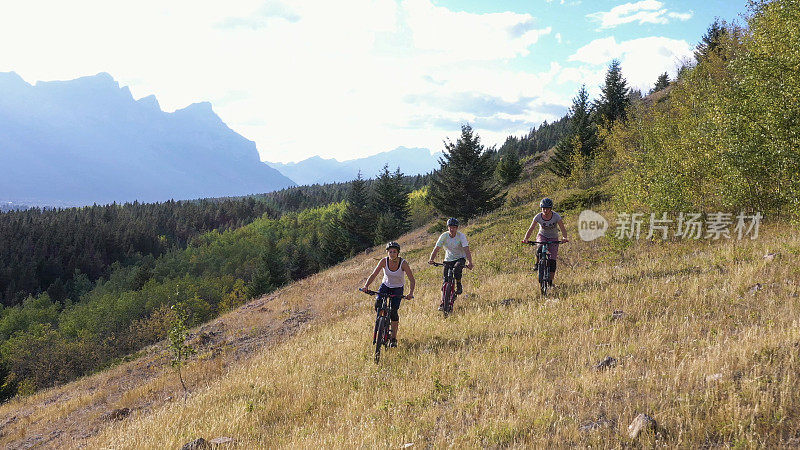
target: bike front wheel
544 275
380 339
447 297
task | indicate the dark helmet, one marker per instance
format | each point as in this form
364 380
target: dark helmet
452 222
393 244
546 203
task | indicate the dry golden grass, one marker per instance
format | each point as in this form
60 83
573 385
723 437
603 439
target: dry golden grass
715 363
66 415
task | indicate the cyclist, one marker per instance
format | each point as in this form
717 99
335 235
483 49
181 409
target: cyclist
393 267
456 252
547 220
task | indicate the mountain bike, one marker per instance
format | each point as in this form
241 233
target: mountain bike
448 286
382 331
542 264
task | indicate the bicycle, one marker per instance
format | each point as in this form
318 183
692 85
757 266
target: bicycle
542 263
448 287
381 333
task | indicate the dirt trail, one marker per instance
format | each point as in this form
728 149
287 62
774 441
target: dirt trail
89 404
66 416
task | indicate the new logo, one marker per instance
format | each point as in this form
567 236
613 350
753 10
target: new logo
591 225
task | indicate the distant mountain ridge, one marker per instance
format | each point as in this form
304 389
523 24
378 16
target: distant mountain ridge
88 141
317 170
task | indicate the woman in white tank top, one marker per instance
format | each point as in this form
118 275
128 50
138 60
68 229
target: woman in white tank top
394 271
393 278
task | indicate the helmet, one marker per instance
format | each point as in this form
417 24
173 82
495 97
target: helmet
452 222
393 244
546 203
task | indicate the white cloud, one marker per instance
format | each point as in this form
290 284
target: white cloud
645 11
681 16
465 36
642 60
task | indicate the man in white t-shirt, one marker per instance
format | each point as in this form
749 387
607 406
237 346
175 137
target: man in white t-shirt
456 251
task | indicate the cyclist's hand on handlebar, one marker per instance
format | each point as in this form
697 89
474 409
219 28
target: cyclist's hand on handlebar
470 266
565 240
430 261
524 241
409 296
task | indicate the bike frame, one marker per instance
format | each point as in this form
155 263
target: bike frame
542 264
382 331
448 286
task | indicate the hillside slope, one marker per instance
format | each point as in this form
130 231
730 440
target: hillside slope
701 347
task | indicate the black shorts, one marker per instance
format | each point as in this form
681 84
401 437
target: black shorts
395 301
458 268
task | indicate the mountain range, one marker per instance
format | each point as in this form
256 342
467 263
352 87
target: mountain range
85 141
317 170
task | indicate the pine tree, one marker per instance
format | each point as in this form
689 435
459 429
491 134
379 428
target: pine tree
390 202
661 83
509 167
582 136
335 243
270 272
711 43
358 219
614 99
464 185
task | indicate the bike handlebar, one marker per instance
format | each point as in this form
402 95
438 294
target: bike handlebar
369 292
438 264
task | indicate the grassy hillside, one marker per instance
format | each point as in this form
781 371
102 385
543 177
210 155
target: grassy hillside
704 333
711 358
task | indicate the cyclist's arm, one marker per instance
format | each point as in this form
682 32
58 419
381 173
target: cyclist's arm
563 230
411 280
469 257
374 273
434 253
530 231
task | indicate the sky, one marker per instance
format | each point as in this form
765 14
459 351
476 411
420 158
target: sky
351 78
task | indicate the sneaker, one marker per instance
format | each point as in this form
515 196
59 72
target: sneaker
393 343
458 288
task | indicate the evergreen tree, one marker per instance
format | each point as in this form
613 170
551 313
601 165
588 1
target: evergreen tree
509 168
270 272
661 83
391 204
358 219
582 136
464 185
335 242
711 43
614 98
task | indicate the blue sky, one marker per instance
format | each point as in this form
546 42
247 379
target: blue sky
352 78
